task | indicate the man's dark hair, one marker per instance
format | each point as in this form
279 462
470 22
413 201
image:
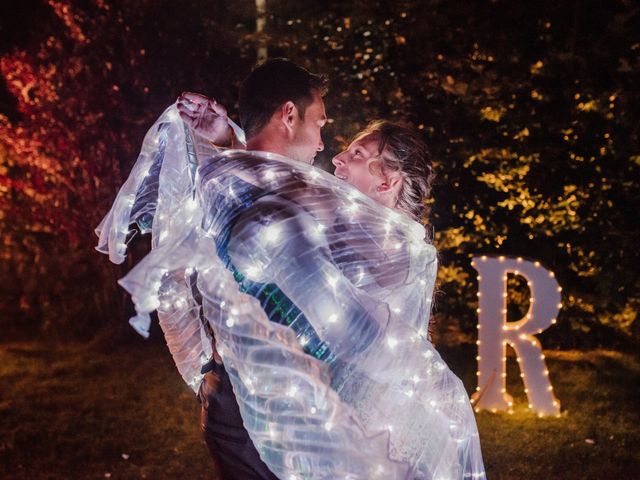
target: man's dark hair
271 84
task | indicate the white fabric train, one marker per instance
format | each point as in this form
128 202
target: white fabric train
318 297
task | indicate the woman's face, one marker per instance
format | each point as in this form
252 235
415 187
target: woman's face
362 166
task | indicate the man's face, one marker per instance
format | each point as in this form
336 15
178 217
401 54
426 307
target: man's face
306 141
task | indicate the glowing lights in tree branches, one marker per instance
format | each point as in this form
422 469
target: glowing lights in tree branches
494 332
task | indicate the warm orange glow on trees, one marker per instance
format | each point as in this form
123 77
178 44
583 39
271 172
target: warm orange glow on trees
531 114
82 93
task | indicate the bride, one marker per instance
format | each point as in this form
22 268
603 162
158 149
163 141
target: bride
318 290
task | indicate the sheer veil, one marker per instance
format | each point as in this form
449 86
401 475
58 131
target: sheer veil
318 298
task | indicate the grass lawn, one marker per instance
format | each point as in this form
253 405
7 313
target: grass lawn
76 411
79 412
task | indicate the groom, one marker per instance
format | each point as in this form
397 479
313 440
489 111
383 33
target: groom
282 112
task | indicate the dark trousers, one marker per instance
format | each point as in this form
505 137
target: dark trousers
225 435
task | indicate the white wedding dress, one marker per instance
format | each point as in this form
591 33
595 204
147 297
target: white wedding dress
318 297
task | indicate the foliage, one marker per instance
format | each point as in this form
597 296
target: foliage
72 121
529 110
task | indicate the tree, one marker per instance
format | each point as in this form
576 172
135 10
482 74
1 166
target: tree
80 96
530 112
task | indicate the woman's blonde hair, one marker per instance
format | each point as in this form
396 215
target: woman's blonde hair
403 150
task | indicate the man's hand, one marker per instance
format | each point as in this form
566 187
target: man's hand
208 388
205 116
211 381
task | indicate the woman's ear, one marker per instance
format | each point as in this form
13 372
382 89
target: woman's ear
391 184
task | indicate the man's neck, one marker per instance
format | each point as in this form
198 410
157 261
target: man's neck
266 143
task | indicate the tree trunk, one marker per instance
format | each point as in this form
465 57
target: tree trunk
261 21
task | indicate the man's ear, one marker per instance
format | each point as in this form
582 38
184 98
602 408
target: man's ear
288 114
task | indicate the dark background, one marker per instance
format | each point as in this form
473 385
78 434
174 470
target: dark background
531 110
